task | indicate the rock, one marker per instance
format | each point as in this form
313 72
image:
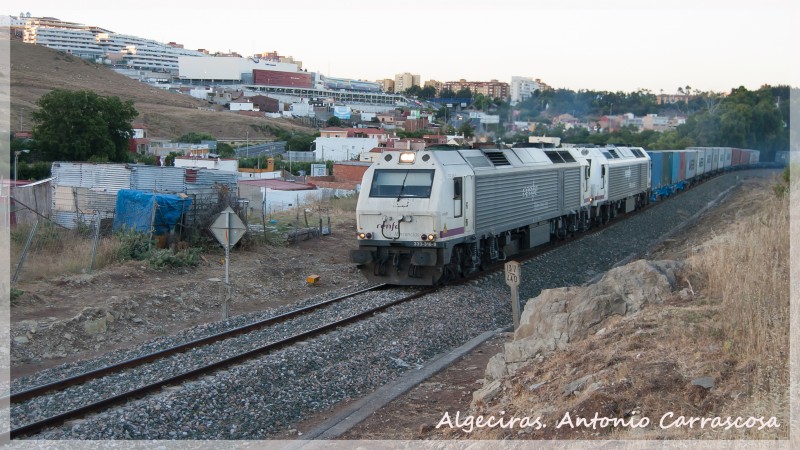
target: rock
486 393
30 325
21 340
95 326
137 320
496 368
424 429
705 382
68 336
577 384
536 386
560 316
109 317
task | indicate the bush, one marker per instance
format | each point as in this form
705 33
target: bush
134 245
160 259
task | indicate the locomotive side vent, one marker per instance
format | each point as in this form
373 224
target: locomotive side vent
613 153
497 158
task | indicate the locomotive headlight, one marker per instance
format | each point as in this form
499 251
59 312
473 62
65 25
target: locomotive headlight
369 235
431 237
362 235
407 157
424 237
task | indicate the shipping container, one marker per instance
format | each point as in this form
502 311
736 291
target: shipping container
736 158
676 174
680 156
657 160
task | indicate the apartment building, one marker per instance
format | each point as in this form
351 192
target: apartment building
104 46
403 81
523 88
493 88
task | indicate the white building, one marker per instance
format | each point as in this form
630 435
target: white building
201 93
103 46
224 164
522 88
226 68
242 104
342 149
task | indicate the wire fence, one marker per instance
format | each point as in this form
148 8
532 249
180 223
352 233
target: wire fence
70 230
78 236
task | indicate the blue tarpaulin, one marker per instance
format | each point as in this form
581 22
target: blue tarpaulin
137 210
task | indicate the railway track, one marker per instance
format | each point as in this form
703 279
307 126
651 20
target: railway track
99 405
33 427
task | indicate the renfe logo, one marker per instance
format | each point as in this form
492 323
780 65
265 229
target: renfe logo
530 191
628 173
389 226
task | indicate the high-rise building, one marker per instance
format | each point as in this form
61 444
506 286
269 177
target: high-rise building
523 88
403 81
387 84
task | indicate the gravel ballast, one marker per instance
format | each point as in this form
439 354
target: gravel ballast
261 397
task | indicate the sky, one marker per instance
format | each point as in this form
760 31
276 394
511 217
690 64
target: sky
602 45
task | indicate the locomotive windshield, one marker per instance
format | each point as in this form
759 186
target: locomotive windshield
394 183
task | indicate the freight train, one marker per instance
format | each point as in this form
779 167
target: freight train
429 216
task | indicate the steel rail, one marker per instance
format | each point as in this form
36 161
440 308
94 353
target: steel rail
37 426
37 391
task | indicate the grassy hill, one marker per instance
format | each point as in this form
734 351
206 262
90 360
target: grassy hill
36 70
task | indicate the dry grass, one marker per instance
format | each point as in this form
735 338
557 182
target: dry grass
56 252
747 269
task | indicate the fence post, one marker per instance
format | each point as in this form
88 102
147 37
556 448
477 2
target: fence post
96 238
25 251
152 222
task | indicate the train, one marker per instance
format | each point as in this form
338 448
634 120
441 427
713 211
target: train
430 216
675 170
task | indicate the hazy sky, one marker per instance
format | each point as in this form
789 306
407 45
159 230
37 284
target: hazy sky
621 45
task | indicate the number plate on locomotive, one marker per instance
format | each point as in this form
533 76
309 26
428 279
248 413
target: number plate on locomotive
424 244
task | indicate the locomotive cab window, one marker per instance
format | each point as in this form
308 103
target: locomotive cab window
393 183
458 209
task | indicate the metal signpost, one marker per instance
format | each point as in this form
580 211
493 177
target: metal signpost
513 275
228 229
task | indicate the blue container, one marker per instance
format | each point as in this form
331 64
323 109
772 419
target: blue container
657 159
676 167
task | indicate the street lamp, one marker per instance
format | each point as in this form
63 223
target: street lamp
16 161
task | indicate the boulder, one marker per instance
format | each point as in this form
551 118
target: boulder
486 393
559 316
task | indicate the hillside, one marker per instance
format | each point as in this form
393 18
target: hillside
36 70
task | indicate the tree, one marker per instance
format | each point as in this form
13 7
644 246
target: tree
196 138
427 92
225 150
466 130
81 125
334 122
464 93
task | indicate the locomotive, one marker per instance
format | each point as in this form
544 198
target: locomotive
433 215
